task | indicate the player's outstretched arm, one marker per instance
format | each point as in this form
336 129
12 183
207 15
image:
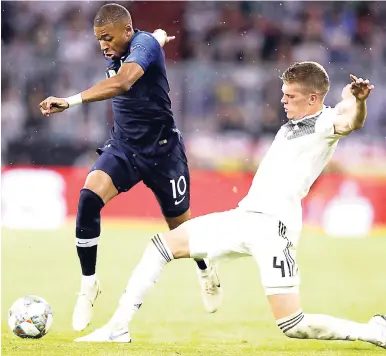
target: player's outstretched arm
352 110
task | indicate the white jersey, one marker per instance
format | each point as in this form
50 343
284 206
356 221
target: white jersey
297 156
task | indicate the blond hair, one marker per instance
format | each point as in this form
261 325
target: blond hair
311 75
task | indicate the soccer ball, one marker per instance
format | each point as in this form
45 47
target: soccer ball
30 317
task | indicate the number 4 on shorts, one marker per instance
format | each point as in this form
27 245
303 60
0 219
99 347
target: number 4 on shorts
281 266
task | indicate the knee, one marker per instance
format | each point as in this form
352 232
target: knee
101 183
88 215
178 242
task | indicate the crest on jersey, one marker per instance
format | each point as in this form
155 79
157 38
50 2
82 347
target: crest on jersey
137 47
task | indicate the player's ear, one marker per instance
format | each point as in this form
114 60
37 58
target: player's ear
129 29
313 99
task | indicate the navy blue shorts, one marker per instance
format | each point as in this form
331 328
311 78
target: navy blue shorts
167 175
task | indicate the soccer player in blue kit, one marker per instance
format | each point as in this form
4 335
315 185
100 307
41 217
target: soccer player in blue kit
145 145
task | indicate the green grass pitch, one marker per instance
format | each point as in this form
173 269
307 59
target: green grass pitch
341 277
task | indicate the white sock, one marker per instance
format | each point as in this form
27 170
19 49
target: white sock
88 281
144 276
326 327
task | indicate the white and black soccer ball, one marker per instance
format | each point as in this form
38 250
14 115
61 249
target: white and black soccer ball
30 317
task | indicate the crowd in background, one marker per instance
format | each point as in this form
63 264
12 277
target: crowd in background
223 69
254 32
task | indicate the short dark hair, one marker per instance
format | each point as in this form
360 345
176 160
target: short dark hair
310 74
111 13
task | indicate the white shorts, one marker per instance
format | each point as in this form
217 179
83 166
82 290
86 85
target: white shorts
236 233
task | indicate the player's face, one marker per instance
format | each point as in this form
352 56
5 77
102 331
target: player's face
114 39
297 100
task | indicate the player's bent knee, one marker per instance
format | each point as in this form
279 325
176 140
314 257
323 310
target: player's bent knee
101 184
178 242
88 218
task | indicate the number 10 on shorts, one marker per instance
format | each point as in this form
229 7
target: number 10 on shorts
179 187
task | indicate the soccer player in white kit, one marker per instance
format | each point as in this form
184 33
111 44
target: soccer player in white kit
268 221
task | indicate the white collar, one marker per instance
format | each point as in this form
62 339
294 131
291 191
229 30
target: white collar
307 117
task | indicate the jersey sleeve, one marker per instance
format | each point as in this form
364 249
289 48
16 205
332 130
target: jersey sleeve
325 125
144 50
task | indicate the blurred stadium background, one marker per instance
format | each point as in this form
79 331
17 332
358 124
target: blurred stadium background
223 70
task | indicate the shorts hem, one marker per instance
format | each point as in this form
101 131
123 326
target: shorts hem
281 290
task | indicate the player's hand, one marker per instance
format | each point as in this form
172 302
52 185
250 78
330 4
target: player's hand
162 37
53 105
360 88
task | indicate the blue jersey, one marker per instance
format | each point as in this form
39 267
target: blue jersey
143 119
